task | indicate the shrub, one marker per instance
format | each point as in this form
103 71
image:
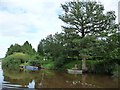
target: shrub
35 63
13 61
104 67
116 71
90 65
59 62
71 64
49 65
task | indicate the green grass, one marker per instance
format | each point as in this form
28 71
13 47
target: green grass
90 64
72 64
49 65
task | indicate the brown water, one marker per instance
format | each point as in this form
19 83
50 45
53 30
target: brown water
54 79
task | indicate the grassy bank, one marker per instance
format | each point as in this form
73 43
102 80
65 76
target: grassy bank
94 66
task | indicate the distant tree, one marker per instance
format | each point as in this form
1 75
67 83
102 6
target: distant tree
40 48
51 46
27 48
13 49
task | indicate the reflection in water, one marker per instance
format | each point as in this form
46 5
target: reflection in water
32 84
54 79
1 76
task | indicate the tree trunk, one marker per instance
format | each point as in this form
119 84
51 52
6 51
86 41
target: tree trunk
84 68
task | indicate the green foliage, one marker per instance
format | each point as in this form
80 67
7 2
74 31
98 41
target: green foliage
91 65
51 47
25 64
49 65
40 48
71 64
26 48
104 67
86 18
88 22
116 71
13 61
59 62
13 49
86 46
36 60
35 63
88 34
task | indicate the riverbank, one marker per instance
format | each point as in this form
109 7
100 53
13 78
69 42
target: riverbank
94 66
91 66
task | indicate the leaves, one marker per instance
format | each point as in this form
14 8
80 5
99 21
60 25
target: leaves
87 18
25 48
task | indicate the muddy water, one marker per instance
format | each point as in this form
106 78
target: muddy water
53 79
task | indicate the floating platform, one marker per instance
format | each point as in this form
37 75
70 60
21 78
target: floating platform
74 71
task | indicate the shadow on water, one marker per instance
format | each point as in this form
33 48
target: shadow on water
55 79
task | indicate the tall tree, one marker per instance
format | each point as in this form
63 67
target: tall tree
87 18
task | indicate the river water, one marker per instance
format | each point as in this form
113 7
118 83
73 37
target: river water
53 79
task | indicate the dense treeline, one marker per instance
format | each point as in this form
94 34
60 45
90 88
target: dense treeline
26 48
17 55
89 38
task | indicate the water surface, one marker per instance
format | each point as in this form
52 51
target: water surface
53 79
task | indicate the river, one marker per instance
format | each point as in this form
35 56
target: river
53 79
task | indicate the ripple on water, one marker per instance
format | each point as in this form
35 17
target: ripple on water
9 85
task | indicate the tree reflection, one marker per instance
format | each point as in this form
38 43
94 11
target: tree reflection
54 79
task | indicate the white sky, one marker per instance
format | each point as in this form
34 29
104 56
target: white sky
33 20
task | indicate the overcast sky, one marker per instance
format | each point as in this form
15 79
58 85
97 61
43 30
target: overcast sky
32 20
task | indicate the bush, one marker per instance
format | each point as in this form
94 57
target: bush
49 65
90 65
13 61
104 67
59 62
116 71
35 63
71 64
